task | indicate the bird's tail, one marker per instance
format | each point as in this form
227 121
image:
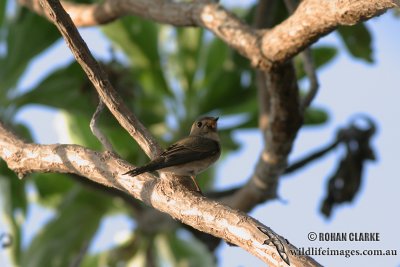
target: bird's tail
152 166
137 171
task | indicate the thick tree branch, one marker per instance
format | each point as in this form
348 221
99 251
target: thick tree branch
280 118
169 196
99 79
265 48
309 67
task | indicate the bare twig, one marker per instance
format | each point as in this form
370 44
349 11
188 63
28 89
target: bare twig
95 129
311 20
313 156
169 196
99 79
309 68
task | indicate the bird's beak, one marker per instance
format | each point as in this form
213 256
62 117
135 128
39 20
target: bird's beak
213 123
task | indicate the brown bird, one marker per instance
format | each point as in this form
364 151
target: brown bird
189 156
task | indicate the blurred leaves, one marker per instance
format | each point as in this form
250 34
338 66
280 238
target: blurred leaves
71 83
3 5
138 39
357 40
172 249
345 183
321 56
14 35
315 116
13 206
62 240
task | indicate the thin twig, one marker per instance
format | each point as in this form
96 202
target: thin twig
96 130
309 68
311 157
308 64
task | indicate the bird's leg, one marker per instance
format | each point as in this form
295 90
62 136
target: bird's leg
197 185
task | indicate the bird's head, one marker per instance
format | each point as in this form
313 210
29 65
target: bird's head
206 126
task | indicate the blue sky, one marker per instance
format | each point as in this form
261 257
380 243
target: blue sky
347 87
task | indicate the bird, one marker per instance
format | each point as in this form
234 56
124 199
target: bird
190 155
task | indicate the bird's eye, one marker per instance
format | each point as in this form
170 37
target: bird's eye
199 124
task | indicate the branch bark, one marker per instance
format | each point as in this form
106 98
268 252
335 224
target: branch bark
280 118
169 196
264 48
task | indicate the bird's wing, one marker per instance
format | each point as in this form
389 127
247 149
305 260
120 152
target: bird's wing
190 149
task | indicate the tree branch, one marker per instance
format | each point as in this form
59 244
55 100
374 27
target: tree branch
280 119
265 48
99 79
94 127
169 196
309 67
312 77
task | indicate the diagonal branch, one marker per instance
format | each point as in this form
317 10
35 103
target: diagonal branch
99 79
169 196
264 48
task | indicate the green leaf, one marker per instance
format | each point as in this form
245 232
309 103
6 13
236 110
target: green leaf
321 56
180 253
357 40
227 93
3 5
66 88
138 39
51 187
129 252
186 56
13 203
63 238
215 57
27 36
315 116
17 199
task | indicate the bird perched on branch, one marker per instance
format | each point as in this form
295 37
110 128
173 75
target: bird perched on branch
189 156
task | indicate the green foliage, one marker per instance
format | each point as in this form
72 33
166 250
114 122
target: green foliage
181 253
14 203
315 116
357 40
321 56
18 54
62 239
168 77
69 82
